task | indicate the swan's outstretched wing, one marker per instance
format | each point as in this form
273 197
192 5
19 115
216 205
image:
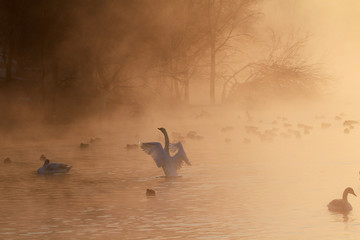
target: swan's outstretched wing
180 156
156 151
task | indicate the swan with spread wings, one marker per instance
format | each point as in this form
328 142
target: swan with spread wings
170 164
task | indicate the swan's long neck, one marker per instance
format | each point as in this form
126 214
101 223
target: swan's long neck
166 148
345 194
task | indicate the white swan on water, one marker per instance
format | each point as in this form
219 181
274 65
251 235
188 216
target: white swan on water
341 205
170 164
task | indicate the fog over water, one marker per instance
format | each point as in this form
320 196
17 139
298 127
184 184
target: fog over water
274 145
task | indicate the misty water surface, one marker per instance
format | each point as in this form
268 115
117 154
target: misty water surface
234 189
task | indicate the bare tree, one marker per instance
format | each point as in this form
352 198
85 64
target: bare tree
183 44
227 20
285 73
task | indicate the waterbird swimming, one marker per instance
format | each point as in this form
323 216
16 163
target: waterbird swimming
84 145
7 160
341 205
170 164
50 168
150 192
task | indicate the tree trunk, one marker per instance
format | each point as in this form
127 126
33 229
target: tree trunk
9 69
186 91
42 77
212 40
55 72
212 71
7 58
177 91
103 105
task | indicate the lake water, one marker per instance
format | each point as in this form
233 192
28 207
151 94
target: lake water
235 189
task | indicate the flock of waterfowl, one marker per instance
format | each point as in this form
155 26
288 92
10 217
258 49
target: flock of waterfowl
282 127
162 157
172 156
48 167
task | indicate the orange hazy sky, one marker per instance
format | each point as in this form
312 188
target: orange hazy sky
334 27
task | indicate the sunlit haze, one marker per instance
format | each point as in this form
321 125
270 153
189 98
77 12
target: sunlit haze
183 119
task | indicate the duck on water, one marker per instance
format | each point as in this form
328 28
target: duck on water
169 164
50 168
342 205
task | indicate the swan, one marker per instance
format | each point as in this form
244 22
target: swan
49 168
170 164
341 205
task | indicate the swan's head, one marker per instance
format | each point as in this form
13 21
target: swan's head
42 157
350 190
162 130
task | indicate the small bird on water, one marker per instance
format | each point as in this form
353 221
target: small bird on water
150 192
7 160
341 205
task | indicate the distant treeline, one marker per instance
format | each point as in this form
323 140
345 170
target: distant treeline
70 58
130 51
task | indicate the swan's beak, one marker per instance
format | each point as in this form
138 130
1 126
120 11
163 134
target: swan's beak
355 195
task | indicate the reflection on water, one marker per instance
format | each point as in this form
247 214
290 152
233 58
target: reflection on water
234 190
341 217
